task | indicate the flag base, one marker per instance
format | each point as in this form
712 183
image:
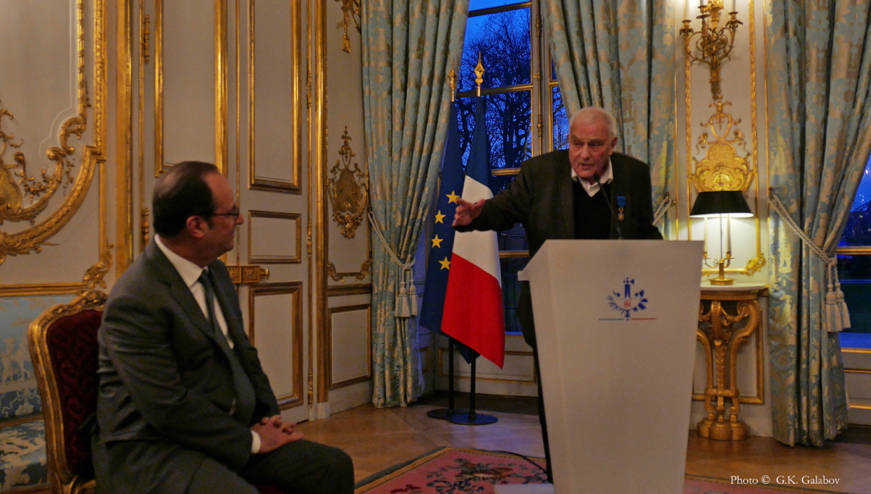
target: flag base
444 413
472 418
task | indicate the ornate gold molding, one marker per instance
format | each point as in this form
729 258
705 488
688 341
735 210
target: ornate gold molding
95 274
10 196
359 275
739 173
39 190
350 12
722 168
348 189
144 229
246 275
74 186
42 190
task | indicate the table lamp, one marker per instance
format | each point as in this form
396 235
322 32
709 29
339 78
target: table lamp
721 203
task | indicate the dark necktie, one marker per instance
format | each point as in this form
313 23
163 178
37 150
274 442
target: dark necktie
244 406
206 281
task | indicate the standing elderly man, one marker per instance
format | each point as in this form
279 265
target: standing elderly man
183 403
566 194
587 192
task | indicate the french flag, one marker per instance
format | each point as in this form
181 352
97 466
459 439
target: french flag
473 313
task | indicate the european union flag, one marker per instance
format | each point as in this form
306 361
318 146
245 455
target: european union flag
442 242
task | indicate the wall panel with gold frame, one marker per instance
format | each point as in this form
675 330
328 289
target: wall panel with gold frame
189 82
276 308
53 194
172 101
275 131
722 146
723 137
52 147
342 178
350 343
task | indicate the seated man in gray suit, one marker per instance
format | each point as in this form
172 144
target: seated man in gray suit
183 404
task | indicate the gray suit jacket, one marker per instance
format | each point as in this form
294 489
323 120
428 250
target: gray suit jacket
542 200
167 384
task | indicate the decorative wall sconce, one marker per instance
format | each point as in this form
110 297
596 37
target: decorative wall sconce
724 204
714 43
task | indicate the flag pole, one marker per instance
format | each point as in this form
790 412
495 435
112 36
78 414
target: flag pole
472 418
447 413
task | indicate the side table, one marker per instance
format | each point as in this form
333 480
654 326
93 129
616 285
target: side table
728 316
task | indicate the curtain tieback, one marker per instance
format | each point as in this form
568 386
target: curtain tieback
406 296
837 314
662 208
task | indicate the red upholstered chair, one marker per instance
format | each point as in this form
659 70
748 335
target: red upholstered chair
63 347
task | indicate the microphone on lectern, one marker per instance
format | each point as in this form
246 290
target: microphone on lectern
610 206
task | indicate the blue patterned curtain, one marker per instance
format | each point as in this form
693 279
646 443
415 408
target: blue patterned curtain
619 54
408 48
819 92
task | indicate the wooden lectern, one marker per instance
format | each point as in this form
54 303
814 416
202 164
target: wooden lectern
615 325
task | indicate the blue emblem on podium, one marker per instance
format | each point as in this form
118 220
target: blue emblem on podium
628 302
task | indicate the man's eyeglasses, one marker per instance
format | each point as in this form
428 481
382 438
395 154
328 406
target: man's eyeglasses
232 214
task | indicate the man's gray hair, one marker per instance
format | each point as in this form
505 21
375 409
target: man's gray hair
595 114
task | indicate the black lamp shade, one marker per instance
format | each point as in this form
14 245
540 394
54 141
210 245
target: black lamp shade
717 202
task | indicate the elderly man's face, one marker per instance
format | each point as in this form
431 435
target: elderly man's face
590 148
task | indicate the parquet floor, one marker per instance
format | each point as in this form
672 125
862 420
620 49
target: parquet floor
379 438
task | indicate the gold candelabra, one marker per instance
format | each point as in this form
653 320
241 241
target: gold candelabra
714 43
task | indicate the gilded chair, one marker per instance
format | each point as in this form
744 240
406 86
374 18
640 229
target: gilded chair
63 347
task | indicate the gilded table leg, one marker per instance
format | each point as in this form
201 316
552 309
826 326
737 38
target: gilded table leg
722 342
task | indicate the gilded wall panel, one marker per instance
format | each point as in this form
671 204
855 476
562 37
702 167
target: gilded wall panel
275 328
721 110
52 146
347 231
275 99
185 86
350 344
274 238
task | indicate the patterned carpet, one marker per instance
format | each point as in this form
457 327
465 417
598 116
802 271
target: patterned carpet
461 471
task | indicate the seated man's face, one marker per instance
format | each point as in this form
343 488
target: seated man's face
590 148
220 235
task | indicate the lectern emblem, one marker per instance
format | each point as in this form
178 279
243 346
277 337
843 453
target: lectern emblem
627 302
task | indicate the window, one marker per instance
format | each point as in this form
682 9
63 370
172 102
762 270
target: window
854 266
525 113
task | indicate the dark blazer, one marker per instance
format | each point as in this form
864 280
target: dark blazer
542 200
167 384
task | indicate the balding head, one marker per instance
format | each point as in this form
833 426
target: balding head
595 114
